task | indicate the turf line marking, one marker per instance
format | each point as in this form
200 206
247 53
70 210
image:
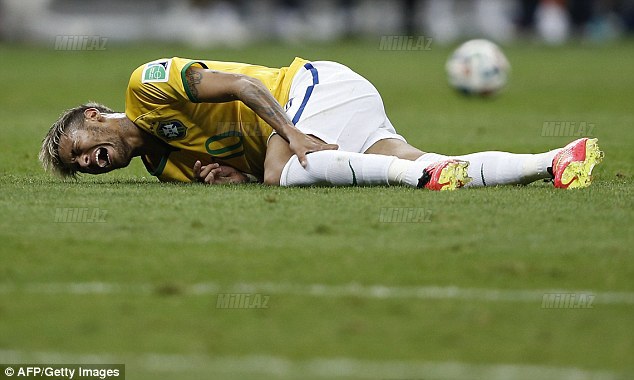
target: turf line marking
328 368
319 290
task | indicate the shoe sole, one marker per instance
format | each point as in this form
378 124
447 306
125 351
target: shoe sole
578 174
454 175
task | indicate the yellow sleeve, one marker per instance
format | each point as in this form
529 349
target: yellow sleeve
161 82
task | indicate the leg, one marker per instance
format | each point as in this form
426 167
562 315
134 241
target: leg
485 168
570 167
337 105
501 168
337 168
340 168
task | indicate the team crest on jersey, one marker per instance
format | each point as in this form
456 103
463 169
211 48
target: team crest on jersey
171 130
157 71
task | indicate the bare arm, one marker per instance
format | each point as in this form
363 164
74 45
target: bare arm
218 87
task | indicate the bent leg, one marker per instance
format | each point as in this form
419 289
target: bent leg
338 168
335 167
336 105
485 168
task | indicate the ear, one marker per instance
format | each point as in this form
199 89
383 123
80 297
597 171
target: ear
92 114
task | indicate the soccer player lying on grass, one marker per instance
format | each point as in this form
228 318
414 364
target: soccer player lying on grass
219 122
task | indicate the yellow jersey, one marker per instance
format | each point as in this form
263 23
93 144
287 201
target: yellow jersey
158 100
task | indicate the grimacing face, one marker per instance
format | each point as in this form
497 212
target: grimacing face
96 148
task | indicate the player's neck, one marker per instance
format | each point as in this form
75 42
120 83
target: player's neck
141 142
146 144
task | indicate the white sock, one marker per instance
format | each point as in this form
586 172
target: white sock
339 168
405 172
501 168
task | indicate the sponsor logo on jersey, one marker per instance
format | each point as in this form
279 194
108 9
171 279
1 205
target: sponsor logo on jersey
157 71
171 130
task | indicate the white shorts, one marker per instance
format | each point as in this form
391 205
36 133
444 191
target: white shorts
337 105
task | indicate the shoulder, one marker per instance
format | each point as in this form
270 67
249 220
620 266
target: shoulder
156 71
163 70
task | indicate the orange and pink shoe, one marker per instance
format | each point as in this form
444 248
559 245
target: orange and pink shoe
445 175
572 166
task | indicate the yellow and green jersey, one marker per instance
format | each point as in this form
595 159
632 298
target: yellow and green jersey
159 101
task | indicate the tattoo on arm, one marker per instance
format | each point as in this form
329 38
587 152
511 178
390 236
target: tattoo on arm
262 102
250 91
193 80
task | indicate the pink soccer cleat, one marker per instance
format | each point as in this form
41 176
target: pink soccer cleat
572 166
445 175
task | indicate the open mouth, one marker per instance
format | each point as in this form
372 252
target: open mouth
102 157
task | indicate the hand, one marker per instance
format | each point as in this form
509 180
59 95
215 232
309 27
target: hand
215 173
301 144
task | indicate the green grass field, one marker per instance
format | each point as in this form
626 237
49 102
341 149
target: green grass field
456 294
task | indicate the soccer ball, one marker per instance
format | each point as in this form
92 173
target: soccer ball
478 67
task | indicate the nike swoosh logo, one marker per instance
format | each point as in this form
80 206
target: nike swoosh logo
354 175
482 174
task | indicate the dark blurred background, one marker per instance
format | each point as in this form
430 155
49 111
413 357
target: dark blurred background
204 23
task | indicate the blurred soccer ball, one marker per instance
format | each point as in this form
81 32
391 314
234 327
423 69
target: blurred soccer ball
478 67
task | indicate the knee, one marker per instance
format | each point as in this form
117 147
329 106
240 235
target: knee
272 177
278 154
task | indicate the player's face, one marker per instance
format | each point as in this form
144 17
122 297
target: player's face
97 148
